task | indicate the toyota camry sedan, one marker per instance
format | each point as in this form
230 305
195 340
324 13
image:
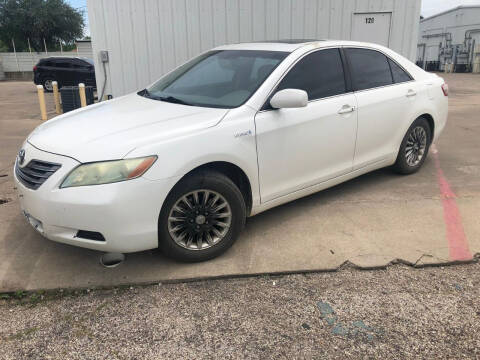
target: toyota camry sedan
233 132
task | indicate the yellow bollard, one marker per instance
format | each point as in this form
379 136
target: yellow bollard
83 98
41 100
56 96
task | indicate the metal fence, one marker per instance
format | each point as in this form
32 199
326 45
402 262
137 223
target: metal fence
25 61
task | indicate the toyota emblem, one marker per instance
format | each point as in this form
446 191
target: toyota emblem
21 156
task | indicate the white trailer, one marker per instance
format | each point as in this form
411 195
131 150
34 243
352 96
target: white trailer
147 38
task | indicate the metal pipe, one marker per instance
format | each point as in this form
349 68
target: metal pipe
472 56
100 99
41 100
470 47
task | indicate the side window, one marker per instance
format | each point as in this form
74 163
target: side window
320 74
80 65
369 68
399 75
62 64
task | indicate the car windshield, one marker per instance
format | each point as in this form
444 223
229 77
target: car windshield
222 79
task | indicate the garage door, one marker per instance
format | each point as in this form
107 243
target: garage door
372 27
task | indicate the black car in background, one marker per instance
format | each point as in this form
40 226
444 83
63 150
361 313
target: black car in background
66 71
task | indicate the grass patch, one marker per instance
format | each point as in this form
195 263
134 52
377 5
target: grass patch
23 333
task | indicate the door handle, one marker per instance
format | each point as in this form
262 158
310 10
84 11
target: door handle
411 93
346 109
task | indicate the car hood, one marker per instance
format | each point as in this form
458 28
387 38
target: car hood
111 129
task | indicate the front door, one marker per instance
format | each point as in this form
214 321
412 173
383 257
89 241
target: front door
301 147
64 72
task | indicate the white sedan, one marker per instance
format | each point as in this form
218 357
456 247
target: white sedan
235 131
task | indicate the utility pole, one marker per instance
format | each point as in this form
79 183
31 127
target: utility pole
45 44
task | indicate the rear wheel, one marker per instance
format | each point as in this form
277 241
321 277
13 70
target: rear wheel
414 148
201 217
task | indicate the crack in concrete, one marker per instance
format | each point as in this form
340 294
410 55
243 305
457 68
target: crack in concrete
420 258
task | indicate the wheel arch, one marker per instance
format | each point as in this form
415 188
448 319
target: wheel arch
431 123
233 172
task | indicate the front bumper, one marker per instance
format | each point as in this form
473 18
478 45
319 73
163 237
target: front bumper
125 213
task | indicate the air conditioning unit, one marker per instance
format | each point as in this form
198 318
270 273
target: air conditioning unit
71 97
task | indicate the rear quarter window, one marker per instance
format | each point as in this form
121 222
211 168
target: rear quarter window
399 75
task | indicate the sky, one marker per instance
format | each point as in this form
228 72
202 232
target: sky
429 7
81 5
432 7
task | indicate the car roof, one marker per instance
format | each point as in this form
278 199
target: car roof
66 58
290 45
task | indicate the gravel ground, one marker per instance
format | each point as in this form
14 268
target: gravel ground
399 312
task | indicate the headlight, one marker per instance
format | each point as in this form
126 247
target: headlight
108 171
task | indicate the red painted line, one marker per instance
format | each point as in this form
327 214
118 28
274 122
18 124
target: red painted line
457 241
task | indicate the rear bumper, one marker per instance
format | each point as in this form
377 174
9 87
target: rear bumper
36 78
441 117
125 213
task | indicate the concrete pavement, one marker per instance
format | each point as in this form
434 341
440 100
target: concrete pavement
427 218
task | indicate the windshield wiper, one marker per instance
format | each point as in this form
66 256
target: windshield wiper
169 98
144 93
173 99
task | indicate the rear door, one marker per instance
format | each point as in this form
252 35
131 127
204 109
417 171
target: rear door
385 95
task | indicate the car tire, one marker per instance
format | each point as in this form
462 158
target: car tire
47 84
414 148
201 229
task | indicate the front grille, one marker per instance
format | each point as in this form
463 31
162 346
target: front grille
35 173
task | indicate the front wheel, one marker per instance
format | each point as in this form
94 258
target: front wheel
414 147
201 217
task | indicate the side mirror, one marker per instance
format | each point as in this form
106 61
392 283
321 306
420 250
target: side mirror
289 98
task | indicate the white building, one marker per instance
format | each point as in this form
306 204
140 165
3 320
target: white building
451 37
147 38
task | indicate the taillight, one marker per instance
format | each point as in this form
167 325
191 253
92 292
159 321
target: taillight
35 68
445 89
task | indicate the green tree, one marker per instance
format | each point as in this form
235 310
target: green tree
52 20
3 47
